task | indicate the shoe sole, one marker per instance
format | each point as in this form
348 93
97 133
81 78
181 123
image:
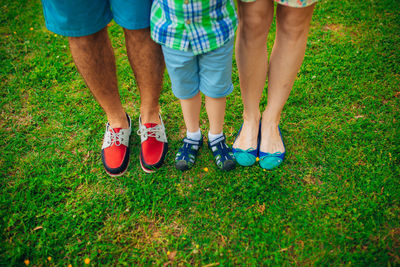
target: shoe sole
158 164
229 165
143 167
119 174
181 165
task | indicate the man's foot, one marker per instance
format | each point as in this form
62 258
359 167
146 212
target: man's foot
222 153
154 145
115 150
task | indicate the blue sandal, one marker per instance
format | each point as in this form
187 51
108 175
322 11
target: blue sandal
186 155
249 156
270 161
222 153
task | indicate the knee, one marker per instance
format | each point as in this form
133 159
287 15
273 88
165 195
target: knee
89 39
292 30
255 26
137 35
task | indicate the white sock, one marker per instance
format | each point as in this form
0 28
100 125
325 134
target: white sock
194 136
212 137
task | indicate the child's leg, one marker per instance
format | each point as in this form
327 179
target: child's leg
191 112
183 70
186 155
216 113
215 82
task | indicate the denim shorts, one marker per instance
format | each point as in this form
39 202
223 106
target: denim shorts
209 73
76 18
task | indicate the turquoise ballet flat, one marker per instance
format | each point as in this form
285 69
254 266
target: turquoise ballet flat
270 161
246 157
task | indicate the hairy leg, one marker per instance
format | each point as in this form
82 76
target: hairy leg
216 113
94 58
191 112
147 62
286 58
252 61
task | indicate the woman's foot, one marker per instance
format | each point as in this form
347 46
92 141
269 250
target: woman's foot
271 141
248 136
272 149
246 157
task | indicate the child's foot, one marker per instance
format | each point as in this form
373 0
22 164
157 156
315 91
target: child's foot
222 153
186 155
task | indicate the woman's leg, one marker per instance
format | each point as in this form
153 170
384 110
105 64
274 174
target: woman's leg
286 57
252 61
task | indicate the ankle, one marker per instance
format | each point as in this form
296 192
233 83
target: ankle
270 118
269 123
150 115
251 117
119 120
194 135
212 137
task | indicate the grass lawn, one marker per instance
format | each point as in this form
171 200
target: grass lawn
335 200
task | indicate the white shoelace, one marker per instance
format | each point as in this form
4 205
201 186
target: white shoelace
155 131
114 138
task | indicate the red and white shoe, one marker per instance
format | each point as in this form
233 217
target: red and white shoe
154 145
115 149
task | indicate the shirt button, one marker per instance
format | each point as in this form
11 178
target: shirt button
188 21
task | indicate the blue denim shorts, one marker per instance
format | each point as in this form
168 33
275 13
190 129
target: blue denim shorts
209 73
76 18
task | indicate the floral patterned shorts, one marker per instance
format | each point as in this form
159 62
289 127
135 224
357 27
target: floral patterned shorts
291 3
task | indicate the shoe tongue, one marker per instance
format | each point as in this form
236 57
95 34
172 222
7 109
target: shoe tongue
116 130
150 125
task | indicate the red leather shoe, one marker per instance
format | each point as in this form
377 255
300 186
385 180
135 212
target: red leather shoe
115 149
154 145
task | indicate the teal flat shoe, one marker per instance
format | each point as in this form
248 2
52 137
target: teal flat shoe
245 157
270 161
249 156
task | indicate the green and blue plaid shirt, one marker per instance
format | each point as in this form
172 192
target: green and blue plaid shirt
202 25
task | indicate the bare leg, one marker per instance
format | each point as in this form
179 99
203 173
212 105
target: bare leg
286 58
252 61
146 59
191 112
216 113
94 58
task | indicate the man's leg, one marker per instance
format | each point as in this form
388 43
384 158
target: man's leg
94 58
146 59
147 62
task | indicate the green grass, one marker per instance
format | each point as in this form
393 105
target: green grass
335 200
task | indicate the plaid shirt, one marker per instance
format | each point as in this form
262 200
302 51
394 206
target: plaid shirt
202 25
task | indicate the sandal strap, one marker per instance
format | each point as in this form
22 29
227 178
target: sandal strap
216 141
189 149
193 142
